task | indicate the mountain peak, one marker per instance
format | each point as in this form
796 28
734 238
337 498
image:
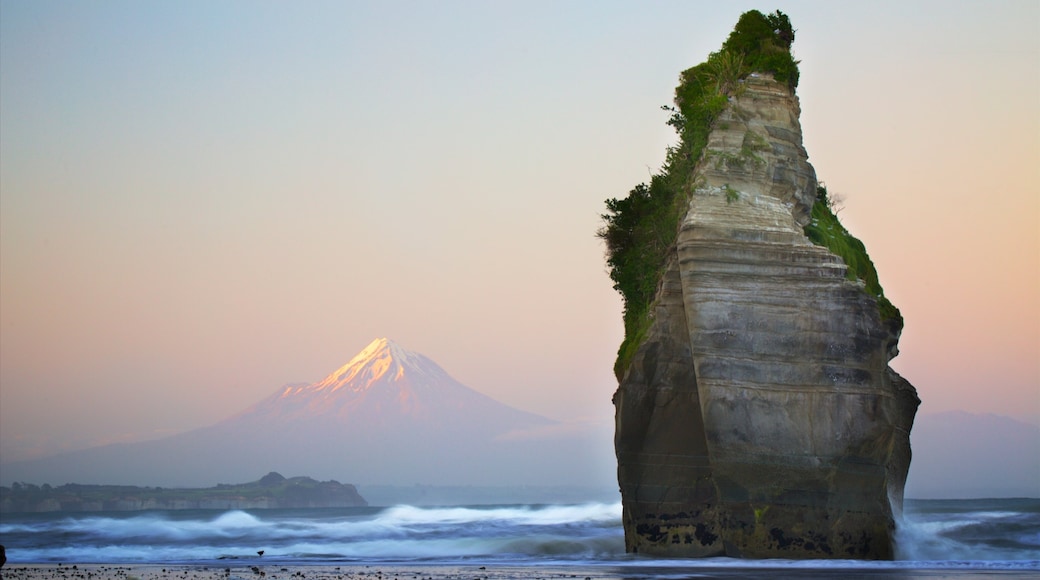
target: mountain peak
380 348
387 388
382 360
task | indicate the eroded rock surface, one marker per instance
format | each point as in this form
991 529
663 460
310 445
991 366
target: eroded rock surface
759 418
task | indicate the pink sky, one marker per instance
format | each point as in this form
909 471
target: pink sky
199 203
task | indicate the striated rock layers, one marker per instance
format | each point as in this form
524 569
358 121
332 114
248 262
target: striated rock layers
759 417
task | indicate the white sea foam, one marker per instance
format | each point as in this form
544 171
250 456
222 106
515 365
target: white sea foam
544 516
940 534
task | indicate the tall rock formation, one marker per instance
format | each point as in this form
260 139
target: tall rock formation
758 416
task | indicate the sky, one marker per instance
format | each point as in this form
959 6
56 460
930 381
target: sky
201 202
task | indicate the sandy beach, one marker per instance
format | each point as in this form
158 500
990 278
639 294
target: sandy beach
240 572
258 571
279 572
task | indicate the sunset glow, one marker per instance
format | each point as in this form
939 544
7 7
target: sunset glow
202 203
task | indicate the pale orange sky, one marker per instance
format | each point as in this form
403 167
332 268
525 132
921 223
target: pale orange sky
199 203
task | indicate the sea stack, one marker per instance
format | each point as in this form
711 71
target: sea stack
756 414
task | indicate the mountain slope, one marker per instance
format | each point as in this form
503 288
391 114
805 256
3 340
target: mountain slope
389 416
967 455
386 385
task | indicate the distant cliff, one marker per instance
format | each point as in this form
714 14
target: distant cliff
271 491
756 414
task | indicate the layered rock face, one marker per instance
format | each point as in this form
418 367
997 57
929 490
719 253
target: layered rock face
759 418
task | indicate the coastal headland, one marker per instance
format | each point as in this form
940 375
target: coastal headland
271 491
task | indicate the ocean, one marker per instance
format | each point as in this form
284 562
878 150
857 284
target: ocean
937 538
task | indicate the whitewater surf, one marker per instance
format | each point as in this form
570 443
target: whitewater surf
957 537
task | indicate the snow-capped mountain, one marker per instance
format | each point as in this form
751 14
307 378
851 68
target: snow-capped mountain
386 385
388 416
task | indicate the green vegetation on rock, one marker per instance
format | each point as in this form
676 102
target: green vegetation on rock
640 229
824 229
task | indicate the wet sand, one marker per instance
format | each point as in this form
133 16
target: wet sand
471 572
280 572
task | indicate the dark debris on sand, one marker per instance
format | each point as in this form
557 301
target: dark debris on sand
275 572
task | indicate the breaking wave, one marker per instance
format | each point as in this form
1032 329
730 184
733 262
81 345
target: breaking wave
949 535
391 534
970 530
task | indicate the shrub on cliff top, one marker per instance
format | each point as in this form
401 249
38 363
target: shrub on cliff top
640 229
765 41
824 229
